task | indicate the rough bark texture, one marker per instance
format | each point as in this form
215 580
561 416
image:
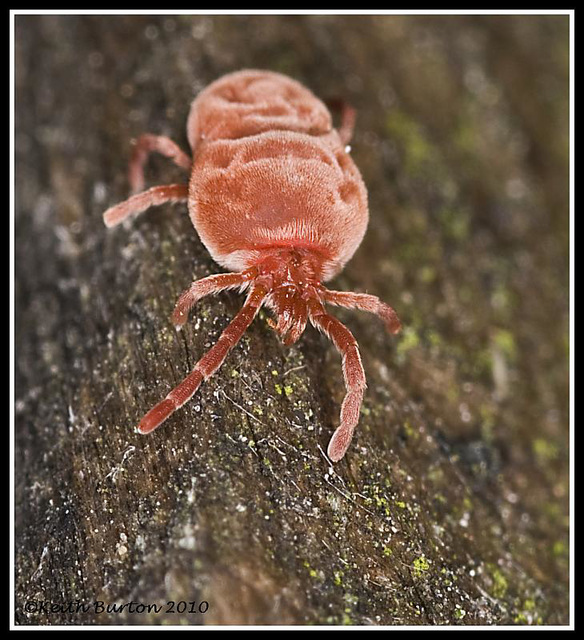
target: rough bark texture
451 506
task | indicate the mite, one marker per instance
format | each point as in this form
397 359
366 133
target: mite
278 202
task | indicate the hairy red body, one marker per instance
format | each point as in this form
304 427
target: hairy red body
277 200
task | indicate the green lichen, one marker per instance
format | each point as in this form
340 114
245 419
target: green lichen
418 151
459 613
529 604
409 430
505 341
544 450
455 223
427 274
347 620
409 340
421 566
500 584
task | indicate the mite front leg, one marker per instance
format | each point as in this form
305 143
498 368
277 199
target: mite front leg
208 364
142 201
364 302
207 286
147 144
353 374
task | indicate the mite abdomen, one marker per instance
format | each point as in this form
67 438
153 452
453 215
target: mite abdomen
277 189
249 102
269 170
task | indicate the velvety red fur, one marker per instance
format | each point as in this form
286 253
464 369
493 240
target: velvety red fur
269 170
276 199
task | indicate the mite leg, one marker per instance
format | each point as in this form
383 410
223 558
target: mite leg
364 302
208 364
348 117
353 373
207 286
144 146
142 201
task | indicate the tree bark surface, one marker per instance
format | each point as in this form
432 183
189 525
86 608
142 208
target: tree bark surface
451 506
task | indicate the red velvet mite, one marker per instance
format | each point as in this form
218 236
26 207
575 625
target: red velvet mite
278 202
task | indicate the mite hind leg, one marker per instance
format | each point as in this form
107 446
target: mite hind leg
348 117
143 147
142 201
